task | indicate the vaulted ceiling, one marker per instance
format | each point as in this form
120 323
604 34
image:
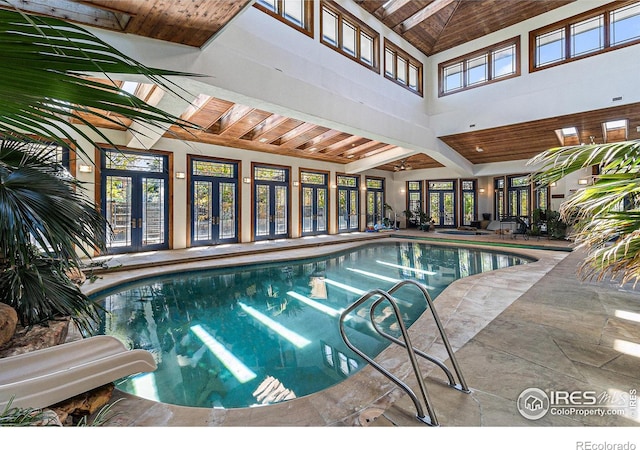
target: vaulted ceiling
438 25
432 26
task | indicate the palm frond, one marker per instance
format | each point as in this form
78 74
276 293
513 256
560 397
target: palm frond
43 80
605 215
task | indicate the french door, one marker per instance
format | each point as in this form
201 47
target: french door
135 200
313 203
271 205
214 205
375 201
348 204
442 203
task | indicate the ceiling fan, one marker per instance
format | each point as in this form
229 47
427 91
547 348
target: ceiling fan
402 166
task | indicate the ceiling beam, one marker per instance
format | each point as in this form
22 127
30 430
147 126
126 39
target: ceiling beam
423 14
378 160
392 6
144 136
76 12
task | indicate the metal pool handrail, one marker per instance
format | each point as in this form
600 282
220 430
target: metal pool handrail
429 418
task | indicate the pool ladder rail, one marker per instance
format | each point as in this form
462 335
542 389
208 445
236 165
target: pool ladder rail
429 416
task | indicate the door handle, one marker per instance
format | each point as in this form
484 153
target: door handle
133 223
140 222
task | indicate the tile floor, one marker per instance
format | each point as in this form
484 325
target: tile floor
531 326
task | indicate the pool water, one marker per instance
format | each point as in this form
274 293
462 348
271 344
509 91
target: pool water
263 334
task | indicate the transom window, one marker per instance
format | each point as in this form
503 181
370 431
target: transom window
270 174
401 68
498 62
348 35
296 13
346 181
596 31
118 160
313 178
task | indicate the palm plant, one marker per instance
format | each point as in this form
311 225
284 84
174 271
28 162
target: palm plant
605 216
45 96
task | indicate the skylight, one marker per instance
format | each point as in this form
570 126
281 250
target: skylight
569 131
615 124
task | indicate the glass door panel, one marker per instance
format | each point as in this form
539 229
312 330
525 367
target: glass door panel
434 207
353 210
343 214
202 210
448 203
263 206
227 222
307 210
118 211
281 213
321 207
153 211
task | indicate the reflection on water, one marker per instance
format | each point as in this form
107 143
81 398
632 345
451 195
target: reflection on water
269 333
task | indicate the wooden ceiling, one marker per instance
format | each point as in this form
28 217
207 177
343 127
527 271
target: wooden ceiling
525 140
188 22
438 25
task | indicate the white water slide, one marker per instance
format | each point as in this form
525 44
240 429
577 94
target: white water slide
45 377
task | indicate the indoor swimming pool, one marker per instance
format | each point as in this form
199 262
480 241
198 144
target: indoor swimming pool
263 334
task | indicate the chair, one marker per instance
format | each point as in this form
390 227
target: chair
523 229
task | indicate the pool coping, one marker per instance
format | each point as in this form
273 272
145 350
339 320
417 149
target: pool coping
465 307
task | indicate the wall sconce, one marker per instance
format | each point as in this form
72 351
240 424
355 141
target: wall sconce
554 184
84 168
180 175
295 183
334 186
246 180
583 181
403 190
481 190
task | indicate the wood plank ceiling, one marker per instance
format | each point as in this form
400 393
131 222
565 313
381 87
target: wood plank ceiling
527 139
432 26
438 25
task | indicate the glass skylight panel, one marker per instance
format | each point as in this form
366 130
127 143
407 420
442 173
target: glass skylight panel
349 38
477 69
625 24
366 48
587 36
615 124
389 63
504 62
453 77
569 131
294 11
402 70
550 47
130 87
329 27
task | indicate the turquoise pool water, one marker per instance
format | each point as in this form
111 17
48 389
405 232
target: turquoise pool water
263 334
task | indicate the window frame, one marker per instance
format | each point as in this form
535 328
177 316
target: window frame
308 14
409 60
566 26
342 15
488 52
